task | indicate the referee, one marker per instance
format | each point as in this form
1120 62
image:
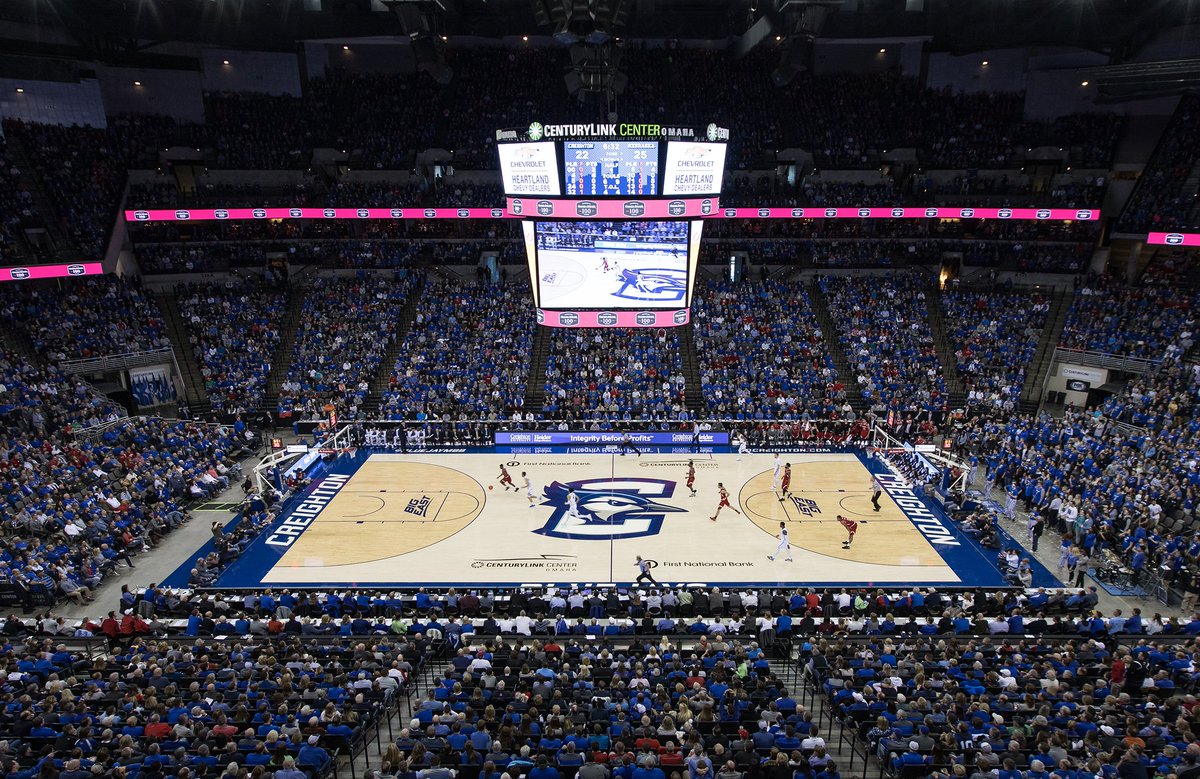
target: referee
876 491
627 443
644 572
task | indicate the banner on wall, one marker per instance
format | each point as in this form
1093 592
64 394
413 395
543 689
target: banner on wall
1091 375
151 386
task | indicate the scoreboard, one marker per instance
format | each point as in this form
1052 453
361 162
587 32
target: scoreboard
612 216
614 168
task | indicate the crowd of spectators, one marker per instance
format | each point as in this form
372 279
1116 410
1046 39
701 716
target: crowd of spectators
196 708
84 169
1107 316
234 329
16 204
90 317
761 353
1162 199
883 325
1126 497
346 327
466 354
614 374
995 335
77 501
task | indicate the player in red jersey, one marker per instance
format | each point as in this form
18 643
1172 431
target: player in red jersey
691 478
851 528
786 483
724 502
506 480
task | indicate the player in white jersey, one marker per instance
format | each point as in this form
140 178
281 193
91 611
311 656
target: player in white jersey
573 504
743 448
784 546
528 489
776 473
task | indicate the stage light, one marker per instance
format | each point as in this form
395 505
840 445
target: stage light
224 62
1083 83
883 51
345 48
525 38
984 63
137 83
20 89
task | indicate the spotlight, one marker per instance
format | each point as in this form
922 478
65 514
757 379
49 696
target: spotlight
1083 83
137 83
21 89
883 51
224 62
345 48
984 63
525 38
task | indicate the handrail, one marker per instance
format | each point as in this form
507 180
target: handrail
1106 360
121 361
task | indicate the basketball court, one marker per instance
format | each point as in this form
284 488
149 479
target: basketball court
385 519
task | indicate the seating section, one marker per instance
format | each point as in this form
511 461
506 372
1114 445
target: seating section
234 331
995 336
467 353
16 204
883 326
1166 195
346 692
1141 322
346 326
90 317
84 169
1001 731
762 354
614 374
79 503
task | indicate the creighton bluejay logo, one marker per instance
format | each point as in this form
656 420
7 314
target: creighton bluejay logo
609 509
656 284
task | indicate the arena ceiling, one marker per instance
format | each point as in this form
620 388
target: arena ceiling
108 26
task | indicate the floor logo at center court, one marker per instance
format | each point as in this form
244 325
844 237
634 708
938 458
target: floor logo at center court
609 509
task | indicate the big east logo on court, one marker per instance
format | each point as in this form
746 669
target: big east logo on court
608 509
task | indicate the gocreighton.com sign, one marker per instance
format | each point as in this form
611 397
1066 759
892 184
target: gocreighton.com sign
537 131
582 437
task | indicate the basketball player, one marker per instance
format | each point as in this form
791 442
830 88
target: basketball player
786 483
627 443
529 489
724 502
784 546
506 480
691 478
573 504
775 475
876 491
743 448
851 528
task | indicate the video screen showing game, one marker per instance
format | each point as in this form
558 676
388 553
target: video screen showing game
612 265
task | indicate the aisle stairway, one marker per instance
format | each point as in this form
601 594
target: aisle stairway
693 395
189 366
829 331
282 359
945 349
535 383
404 325
1035 374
